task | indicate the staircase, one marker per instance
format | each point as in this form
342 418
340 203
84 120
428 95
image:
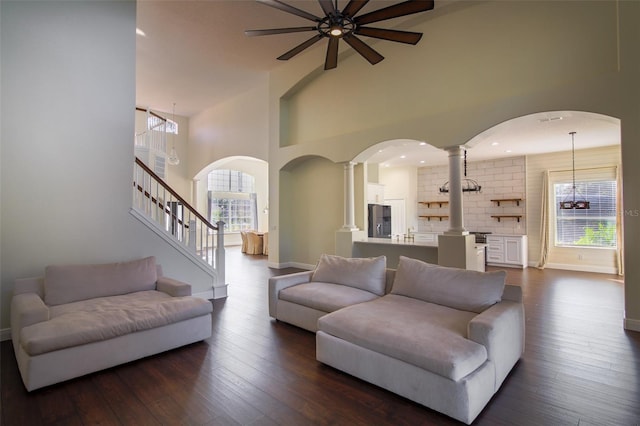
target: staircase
160 207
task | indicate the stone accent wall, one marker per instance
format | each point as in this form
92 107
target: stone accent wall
499 179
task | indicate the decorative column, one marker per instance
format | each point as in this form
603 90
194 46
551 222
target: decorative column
456 221
349 201
456 248
349 232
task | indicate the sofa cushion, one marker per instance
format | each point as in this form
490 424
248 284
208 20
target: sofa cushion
457 288
326 297
104 318
70 283
429 336
363 273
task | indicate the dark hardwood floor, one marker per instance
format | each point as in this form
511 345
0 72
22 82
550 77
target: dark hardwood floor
580 368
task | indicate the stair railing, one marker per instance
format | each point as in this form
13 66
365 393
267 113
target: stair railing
161 204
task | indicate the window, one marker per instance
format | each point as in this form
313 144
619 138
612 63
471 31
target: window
232 199
593 227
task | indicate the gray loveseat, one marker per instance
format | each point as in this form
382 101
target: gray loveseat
79 319
443 337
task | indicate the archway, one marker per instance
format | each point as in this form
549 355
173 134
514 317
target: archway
251 201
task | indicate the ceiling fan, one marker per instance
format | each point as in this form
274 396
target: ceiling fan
344 24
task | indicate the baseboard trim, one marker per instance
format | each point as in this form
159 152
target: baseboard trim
632 324
583 268
5 334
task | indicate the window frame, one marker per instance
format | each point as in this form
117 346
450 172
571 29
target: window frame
584 177
244 183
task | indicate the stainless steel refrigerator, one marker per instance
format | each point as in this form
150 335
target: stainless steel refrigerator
379 221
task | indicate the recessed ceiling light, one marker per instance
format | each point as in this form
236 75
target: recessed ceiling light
423 143
421 161
508 151
495 143
403 156
547 119
140 32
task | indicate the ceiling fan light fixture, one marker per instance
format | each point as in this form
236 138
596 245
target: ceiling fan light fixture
336 31
344 24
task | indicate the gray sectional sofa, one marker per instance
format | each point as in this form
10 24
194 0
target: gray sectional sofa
79 319
443 337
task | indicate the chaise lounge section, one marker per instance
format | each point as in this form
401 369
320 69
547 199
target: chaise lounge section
443 337
303 297
79 319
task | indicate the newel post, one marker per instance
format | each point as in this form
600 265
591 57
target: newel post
220 261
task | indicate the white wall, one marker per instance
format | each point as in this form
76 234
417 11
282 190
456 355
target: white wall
68 99
237 127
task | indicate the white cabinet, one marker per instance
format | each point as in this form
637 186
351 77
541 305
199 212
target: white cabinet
507 250
480 255
425 237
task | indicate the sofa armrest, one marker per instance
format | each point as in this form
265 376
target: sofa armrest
283 281
26 309
512 293
500 329
173 287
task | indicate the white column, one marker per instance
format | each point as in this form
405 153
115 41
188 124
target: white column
349 200
456 221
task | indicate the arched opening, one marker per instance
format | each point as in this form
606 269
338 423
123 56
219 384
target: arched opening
236 191
509 160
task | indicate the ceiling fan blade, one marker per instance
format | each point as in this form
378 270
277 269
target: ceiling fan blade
353 7
327 6
332 54
299 48
290 9
408 37
395 11
364 49
252 33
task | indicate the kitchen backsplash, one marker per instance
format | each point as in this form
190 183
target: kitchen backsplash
500 179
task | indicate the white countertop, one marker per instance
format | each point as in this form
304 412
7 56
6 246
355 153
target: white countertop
396 242
402 242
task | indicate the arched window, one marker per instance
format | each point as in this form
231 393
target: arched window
232 199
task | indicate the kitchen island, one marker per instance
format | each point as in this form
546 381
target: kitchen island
393 248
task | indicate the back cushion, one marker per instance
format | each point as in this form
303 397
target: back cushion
457 288
70 283
363 273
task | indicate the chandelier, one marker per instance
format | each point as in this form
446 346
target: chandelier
468 185
173 158
573 204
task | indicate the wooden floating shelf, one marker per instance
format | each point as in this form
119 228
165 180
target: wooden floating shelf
433 216
428 203
506 216
506 200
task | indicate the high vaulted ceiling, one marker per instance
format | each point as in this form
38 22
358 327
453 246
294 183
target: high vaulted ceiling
195 53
